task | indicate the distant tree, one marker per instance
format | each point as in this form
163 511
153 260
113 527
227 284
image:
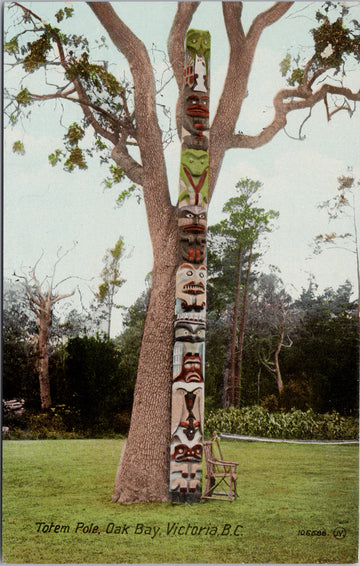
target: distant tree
112 280
42 298
344 204
94 382
324 351
272 322
232 243
19 365
128 343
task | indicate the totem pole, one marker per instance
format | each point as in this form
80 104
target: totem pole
190 310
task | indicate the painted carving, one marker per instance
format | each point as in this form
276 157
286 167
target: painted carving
190 288
197 60
196 119
187 413
185 477
190 310
192 234
194 177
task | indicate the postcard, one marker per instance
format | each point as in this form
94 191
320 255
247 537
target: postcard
180 282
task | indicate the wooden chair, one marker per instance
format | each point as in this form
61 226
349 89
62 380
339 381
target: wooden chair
219 472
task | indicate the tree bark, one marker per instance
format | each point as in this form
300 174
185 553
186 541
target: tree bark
143 471
43 353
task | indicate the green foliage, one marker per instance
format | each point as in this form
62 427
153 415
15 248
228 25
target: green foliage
334 40
230 240
67 12
23 97
74 134
75 159
38 51
93 75
97 388
296 77
117 174
126 193
12 46
18 147
55 157
295 425
285 65
117 250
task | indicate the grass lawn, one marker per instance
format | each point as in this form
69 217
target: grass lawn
292 498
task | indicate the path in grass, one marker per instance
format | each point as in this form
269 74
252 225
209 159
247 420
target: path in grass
297 503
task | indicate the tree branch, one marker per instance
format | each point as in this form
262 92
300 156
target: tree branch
301 98
60 297
131 167
266 19
176 49
242 50
148 133
135 52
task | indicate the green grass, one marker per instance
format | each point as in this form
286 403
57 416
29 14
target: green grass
283 489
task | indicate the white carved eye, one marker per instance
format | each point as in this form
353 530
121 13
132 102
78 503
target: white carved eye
189 273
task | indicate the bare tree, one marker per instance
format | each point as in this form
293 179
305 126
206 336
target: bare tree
143 471
42 298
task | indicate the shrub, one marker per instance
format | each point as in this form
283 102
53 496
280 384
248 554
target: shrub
294 425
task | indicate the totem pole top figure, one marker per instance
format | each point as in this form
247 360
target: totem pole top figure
198 45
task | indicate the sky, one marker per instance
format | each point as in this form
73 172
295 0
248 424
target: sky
46 208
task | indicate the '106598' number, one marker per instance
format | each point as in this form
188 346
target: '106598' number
310 533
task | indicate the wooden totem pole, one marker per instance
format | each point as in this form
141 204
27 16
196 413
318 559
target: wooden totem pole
190 310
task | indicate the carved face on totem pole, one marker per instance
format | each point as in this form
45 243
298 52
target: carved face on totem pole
188 352
192 234
195 119
190 287
194 177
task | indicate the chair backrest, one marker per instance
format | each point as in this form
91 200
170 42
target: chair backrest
208 453
216 440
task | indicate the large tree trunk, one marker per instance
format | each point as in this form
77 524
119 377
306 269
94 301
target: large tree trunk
144 466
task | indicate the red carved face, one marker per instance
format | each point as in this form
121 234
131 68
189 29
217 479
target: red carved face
191 369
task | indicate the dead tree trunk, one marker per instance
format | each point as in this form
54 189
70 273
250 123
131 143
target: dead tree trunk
41 303
42 347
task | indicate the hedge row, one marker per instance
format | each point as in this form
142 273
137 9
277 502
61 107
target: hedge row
295 425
